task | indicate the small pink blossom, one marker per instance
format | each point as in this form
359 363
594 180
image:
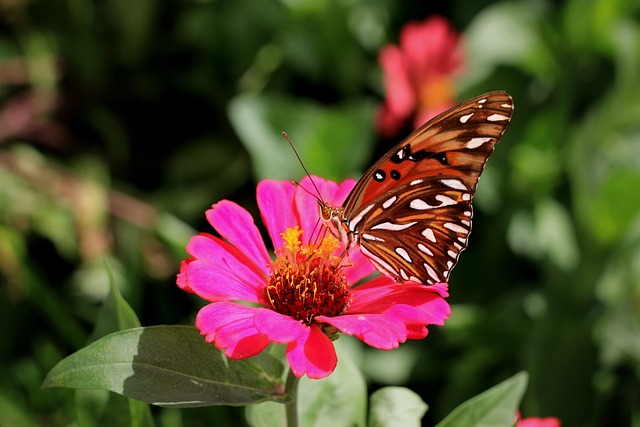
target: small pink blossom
418 74
538 422
304 297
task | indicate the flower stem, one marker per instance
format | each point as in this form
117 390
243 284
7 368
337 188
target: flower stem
291 388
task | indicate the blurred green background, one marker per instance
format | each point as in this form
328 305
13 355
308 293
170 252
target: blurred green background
122 121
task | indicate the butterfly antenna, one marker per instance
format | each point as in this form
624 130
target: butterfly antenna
284 134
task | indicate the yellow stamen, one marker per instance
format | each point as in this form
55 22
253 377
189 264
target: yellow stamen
307 279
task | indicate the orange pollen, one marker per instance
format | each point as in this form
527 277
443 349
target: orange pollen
306 279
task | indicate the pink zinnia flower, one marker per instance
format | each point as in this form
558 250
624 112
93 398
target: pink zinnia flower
304 297
418 74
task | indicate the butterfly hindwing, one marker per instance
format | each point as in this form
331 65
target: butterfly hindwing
419 230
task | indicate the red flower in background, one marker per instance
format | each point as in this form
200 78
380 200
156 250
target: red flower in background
538 422
418 74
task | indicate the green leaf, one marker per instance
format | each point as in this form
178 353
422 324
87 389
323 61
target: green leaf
614 206
99 407
524 47
339 399
169 366
266 414
115 315
335 141
393 406
495 407
548 232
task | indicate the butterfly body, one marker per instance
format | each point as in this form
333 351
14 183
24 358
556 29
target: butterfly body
411 211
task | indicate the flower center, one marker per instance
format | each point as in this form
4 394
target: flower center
306 279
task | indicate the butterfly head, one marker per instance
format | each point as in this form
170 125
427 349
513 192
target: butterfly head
327 212
334 220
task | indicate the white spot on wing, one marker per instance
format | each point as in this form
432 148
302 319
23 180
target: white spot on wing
466 213
452 254
403 253
466 196
415 181
465 118
391 226
510 106
482 101
356 219
425 249
445 200
389 202
368 236
421 205
431 272
454 183
428 234
477 142
497 118
455 227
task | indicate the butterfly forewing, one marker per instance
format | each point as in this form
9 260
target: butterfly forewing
456 142
411 211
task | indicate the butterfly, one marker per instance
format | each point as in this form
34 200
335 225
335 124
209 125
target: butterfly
410 213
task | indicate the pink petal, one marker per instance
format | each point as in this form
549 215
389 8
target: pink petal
428 52
312 354
400 92
416 332
275 200
373 291
413 303
384 313
181 279
431 312
431 47
379 294
231 327
223 272
388 123
236 225
539 422
214 284
377 330
278 327
344 189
